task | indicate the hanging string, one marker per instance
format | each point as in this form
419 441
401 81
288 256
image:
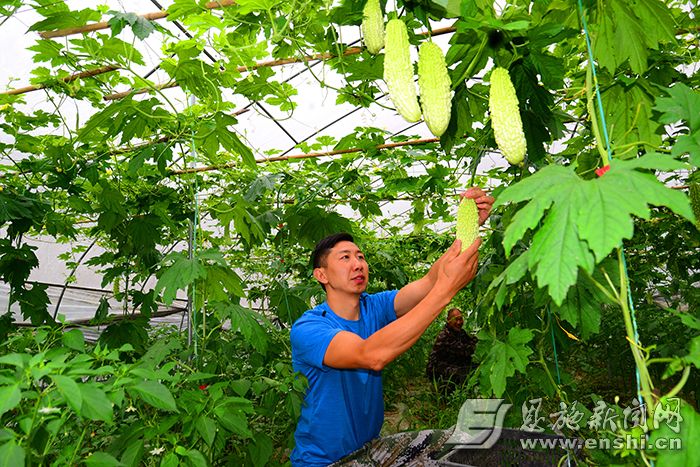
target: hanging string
601 111
556 366
554 345
195 226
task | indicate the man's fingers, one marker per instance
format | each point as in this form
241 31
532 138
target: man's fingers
484 201
473 248
473 192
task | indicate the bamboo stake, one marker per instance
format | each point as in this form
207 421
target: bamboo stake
67 79
209 168
156 15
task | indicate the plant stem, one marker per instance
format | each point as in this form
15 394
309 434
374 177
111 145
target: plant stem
677 388
472 64
592 114
646 385
77 446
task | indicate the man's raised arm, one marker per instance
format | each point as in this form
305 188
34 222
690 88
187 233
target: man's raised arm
348 350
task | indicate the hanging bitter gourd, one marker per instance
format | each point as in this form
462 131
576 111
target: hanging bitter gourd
398 71
505 117
467 222
694 195
373 26
434 84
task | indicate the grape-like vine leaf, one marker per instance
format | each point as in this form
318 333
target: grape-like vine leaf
503 358
579 222
681 106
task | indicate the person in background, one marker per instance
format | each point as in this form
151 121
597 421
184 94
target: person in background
342 345
450 361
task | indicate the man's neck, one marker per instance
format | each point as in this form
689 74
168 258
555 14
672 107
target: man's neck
347 306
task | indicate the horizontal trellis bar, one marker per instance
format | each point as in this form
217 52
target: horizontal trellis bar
272 63
267 63
156 15
67 79
209 168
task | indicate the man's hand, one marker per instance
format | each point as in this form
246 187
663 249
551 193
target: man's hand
483 202
457 269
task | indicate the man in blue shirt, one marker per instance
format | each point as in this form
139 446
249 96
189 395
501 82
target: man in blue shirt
342 345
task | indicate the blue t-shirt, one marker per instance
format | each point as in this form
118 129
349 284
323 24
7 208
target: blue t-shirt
343 408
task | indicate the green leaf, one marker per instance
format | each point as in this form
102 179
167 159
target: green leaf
20 360
309 225
9 398
66 19
582 309
688 455
628 110
142 27
622 31
132 332
102 311
196 458
231 142
557 252
206 427
648 187
243 320
285 303
170 459
681 105
550 68
70 391
688 144
505 358
221 282
693 356
516 25
581 221
11 454
260 449
249 6
689 320
95 405
233 422
133 456
74 339
33 303
155 394
102 459
179 275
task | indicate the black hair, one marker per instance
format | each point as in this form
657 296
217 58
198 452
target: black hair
323 247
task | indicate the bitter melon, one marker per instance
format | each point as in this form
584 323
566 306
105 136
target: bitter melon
467 222
373 26
398 71
694 195
434 84
505 117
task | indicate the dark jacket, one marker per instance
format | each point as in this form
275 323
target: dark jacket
451 357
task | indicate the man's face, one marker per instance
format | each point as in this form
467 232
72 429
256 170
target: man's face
455 320
344 269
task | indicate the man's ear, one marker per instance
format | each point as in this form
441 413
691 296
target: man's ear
320 275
